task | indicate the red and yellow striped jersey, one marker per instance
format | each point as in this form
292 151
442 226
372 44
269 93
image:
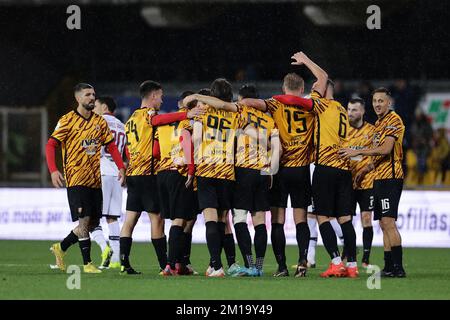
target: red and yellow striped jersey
140 134
296 129
254 152
389 166
361 139
172 154
214 157
81 141
330 132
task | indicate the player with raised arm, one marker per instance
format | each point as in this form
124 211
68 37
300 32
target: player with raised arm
387 187
332 180
81 133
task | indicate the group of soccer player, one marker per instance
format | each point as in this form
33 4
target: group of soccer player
224 158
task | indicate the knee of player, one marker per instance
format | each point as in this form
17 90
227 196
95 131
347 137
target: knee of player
344 219
387 223
366 218
239 216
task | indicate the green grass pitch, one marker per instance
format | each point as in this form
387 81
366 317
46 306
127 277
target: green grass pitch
25 274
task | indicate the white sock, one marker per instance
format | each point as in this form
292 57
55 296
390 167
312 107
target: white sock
114 237
312 224
352 264
337 229
99 237
336 261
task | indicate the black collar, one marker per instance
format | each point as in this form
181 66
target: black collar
87 119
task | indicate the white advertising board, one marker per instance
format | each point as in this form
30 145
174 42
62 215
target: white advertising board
43 214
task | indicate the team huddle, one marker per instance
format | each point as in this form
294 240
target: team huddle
225 158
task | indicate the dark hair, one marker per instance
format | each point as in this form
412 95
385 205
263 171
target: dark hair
82 86
248 91
110 103
358 100
148 87
222 89
186 93
382 90
293 81
205 92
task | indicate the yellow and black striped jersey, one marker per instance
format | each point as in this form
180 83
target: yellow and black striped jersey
81 141
171 151
296 129
361 139
254 152
389 166
214 157
330 132
140 134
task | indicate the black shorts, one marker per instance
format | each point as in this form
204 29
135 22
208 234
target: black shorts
364 198
387 194
85 202
215 193
251 191
294 182
196 207
142 194
332 191
176 201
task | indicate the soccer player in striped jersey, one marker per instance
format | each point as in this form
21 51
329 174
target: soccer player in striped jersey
227 242
387 187
141 172
81 134
111 188
360 137
332 180
296 129
214 135
175 185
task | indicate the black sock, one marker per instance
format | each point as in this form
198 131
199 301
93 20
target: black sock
329 239
85 246
187 248
279 244
68 241
175 235
213 243
349 234
388 260
344 252
244 241
160 246
229 248
303 234
125 249
367 243
260 244
397 256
